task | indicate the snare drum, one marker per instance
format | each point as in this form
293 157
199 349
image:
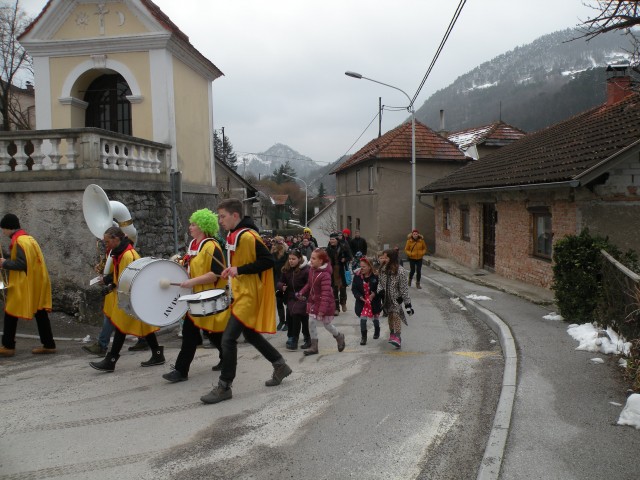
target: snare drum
207 302
141 296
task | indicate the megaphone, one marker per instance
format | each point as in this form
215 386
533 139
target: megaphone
100 213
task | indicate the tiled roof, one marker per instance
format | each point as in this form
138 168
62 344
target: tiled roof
160 16
280 199
562 152
494 134
396 144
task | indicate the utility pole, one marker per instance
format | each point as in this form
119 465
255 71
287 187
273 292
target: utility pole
224 150
379 117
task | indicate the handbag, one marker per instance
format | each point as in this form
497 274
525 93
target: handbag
348 277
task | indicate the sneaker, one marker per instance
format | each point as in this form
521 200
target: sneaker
95 349
279 374
306 344
280 326
395 341
140 346
175 376
337 312
344 308
218 394
7 352
43 350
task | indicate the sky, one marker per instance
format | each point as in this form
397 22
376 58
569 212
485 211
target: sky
284 60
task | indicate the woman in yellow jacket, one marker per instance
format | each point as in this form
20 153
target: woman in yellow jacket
204 260
415 248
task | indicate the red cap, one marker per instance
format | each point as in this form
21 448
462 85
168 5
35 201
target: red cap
346 232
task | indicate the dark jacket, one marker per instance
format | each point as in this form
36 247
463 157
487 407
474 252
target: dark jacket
336 255
358 245
357 289
295 280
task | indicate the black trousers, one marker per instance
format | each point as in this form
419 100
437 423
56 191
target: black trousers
280 308
44 330
340 296
230 349
415 266
118 342
297 323
190 340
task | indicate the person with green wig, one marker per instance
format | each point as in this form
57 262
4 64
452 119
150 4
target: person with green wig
203 261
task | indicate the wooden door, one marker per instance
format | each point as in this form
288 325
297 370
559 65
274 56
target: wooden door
489 220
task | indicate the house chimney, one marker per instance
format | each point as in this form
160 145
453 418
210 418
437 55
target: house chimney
442 132
618 83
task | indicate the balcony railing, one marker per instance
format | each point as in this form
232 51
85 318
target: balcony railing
80 149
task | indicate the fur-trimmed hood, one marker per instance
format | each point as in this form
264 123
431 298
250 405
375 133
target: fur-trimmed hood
410 237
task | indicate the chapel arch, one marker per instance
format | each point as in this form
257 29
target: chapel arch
108 106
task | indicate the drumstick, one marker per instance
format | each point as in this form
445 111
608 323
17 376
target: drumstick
217 261
166 283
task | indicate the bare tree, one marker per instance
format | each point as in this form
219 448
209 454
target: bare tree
612 15
330 223
14 60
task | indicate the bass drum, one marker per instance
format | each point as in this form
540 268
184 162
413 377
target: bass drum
140 293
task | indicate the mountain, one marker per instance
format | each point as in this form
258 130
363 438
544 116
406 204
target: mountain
530 87
266 162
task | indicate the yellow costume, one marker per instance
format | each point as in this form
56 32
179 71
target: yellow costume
254 296
125 323
28 291
199 265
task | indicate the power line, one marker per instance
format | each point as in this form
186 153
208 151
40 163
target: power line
444 40
363 132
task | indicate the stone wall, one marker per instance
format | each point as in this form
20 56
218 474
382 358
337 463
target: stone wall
56 220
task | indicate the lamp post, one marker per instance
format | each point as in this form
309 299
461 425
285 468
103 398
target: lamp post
413 141
306 195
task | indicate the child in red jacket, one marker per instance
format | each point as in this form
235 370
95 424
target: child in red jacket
320 301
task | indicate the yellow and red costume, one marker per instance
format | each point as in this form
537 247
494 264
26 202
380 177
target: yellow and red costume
254 296
28 291
199 263
122 321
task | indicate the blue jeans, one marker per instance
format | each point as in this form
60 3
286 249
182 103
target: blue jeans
105 334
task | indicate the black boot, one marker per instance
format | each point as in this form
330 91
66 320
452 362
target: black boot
306 344
363 330
376 329
157 358
107 364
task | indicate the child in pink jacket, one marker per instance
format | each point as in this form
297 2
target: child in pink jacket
320 301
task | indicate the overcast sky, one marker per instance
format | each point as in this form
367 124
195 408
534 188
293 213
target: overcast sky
284 60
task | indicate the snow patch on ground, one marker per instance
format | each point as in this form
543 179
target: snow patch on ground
592 339
630 414
473 296
553 316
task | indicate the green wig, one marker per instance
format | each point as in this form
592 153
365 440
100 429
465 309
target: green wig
206 220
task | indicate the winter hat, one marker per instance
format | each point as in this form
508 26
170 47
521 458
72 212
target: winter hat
10 222
346 232
307 230
415 230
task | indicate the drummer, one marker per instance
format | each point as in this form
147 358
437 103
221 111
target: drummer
204 274
122 253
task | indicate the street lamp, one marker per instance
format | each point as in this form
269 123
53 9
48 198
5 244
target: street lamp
413 141
306 195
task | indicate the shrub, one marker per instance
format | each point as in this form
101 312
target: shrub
577 274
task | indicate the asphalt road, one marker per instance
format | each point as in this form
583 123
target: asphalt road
369 412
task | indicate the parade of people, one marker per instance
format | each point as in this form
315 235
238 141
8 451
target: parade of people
307 285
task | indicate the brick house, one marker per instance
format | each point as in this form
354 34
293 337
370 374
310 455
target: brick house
373 187
504 211
478 142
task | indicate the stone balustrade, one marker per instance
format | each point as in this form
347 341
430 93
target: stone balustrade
80 149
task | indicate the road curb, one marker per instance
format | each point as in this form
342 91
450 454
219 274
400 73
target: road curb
494 450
